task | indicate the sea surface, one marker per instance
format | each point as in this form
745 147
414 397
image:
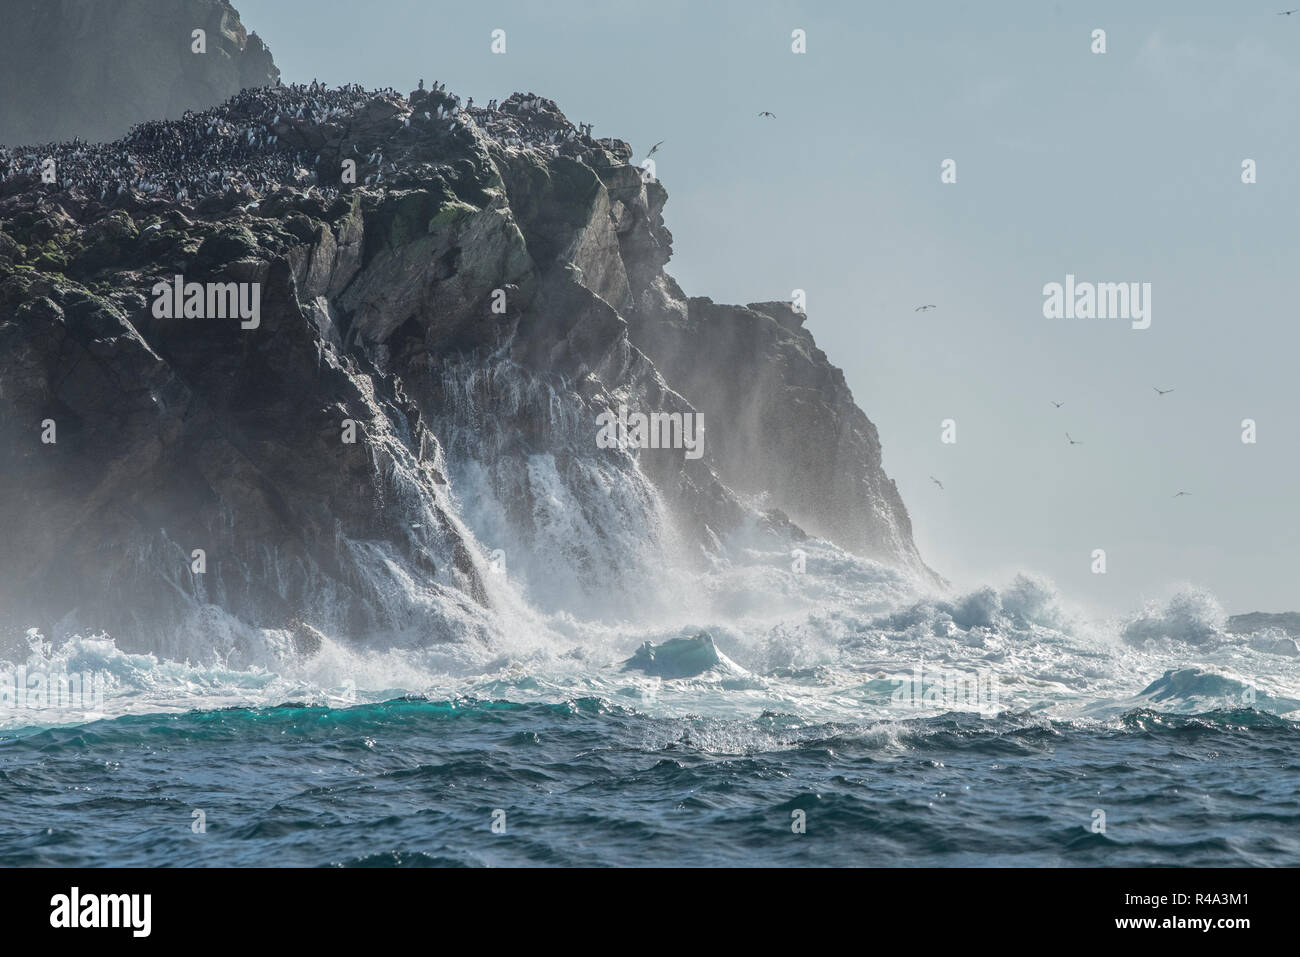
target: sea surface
843 718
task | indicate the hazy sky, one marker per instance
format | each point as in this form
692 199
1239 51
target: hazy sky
1122 167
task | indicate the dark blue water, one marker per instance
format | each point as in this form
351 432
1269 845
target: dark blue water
415 782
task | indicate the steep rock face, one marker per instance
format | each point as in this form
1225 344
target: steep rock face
790 433
793 435
170 440
491 284
85 69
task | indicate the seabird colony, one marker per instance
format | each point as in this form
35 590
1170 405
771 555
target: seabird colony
264 138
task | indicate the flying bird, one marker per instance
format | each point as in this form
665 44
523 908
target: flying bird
766 113
1162 391
1072 441
654 149
925 308
1182 493
1286 13
1057 404
936 482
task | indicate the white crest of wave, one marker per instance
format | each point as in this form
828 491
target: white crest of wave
1191 615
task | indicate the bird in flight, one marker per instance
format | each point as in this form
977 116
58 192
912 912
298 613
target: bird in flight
1162 391
654 149
1057 404
936 482
1286 13
925 308
1182 493
767 113
1070 440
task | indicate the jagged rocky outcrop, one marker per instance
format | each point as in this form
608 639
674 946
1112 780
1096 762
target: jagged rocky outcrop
90 70
793 433
491 283
168 439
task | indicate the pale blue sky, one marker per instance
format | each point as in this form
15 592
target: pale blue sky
1120 167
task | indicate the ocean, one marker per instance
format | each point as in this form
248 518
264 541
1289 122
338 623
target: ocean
842 716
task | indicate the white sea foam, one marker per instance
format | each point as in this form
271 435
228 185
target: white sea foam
835 643
598 571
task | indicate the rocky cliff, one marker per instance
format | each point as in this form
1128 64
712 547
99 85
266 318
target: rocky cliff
81 69
467 290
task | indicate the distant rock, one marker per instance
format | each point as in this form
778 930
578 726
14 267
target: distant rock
793 432
1255 621
90 69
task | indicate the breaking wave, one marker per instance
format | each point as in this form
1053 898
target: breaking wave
844 640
